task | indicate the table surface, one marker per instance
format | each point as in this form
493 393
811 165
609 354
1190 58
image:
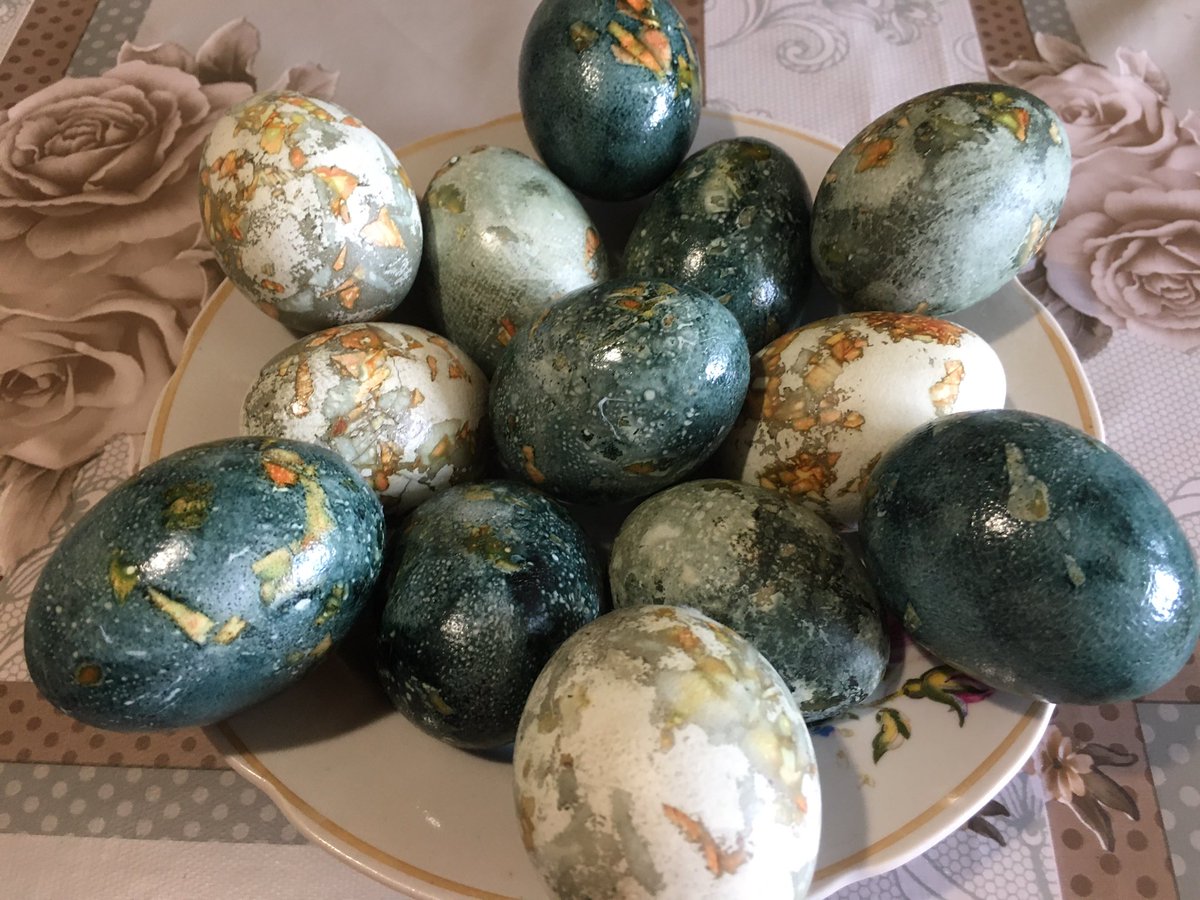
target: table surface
162 815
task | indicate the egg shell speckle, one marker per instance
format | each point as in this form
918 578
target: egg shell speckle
504 239
733 221
940 201
828 400
660 755
309 213
1033 557
403 405
207 582
610 93
492 578
772 571
618 390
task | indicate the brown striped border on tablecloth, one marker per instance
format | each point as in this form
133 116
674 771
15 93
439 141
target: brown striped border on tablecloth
1004 32
43 47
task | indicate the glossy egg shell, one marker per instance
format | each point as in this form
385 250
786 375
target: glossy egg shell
660 755
940 201
733 220
618 390
772 571
1033 557
492 577
401 404
610 93
828 400
309 213
504 239
205 583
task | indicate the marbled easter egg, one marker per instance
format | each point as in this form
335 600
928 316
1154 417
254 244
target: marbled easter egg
1033 557
826 401
733 220
772 571
309 213
610 93
504 239
491 578
618 390
402 405
208 581
660 755
940 201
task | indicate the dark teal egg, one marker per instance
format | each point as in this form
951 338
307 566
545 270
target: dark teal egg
1030 555
618 390
733 221
205 583
771 570
610 93
939 202
492 577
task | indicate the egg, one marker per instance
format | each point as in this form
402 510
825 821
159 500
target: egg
309 213
659 755
491 578
733 220
504 239
771 570
208 581
940 201
404 406
618 390
826 401
1028 554
610 93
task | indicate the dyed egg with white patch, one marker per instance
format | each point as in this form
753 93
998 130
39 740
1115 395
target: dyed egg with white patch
610 93
940 201
208 581
733 220
1033 557
771 570
308 211
618 390
826 401
504 239
491 578
660 755
402 405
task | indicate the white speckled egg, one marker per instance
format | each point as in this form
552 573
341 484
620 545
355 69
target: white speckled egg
401 404
310 213
826 401
659 755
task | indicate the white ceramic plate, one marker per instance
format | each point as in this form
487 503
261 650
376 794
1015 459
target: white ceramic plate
437 822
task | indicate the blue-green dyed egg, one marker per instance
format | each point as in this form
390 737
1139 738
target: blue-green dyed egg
939 202
618 390
1030 555
610 93
491 578
207 582
771 570
733 221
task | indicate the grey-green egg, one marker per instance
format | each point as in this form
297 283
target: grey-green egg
618 390
771 570
733 220
207 582
491 578
940 201
504 238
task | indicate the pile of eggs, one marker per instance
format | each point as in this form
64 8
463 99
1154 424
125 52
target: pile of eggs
676 392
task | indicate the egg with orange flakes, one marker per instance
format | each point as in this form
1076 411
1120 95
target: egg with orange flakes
404 406
309 212
828 400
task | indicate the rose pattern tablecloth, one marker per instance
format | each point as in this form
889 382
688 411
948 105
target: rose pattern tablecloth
103 269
